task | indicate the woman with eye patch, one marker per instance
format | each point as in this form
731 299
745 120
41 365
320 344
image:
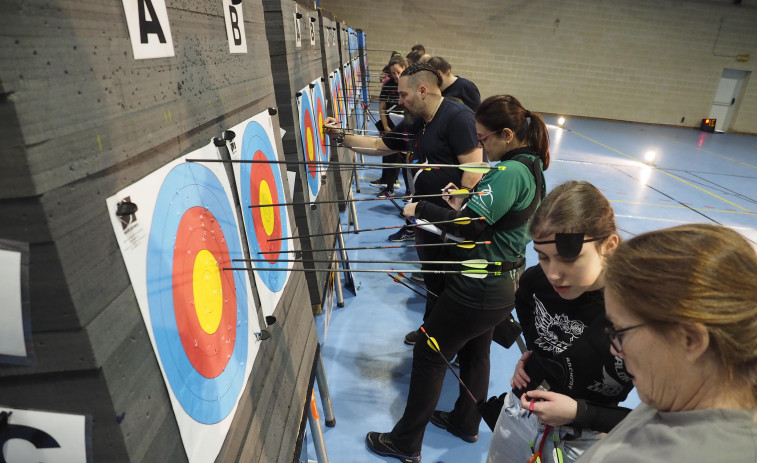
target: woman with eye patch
567 385
686 327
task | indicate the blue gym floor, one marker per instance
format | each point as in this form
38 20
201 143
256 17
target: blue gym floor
697 177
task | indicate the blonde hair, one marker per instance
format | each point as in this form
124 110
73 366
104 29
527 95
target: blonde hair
574 207
695 273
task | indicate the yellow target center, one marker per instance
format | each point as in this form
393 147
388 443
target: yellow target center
207 291
320 125
310 147
266 213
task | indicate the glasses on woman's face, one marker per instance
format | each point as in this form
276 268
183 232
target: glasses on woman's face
616 336
484 137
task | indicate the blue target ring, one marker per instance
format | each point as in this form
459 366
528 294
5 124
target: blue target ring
255 139
309 142
320 110
206 400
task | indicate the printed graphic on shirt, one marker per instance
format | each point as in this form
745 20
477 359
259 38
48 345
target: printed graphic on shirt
620 370
556 333
485 196
608 386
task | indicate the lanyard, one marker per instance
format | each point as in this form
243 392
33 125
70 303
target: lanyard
536 457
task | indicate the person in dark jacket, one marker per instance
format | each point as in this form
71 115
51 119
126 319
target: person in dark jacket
567 385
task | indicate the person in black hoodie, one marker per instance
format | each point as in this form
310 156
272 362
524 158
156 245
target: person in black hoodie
567 385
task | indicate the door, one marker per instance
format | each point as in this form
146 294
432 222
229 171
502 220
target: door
726 97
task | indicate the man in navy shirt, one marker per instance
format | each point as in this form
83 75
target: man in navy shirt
456 86
443 131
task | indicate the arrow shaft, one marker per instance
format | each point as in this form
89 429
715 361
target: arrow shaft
352 261
352 164
397 280
470 394
393 227
357 200
417 284
362 270
423 245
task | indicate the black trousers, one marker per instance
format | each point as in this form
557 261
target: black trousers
433 282
458 330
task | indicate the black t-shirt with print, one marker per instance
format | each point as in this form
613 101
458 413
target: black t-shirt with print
452 132
570 348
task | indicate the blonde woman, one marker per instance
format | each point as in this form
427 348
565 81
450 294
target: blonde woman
683 307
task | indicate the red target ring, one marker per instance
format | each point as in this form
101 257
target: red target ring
205 311
310 148
267 220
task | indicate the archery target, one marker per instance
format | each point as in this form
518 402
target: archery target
198 310
176 247
310 149
319 105
357 98
338 93
261 184
348 86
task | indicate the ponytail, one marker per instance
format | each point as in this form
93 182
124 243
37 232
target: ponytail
506 112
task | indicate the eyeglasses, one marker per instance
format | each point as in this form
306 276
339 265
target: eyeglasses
616 336
484 137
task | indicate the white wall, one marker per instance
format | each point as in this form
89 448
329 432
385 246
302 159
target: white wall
654 61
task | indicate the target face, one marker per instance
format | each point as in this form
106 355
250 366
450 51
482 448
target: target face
310 146
348 83
319 105
261 184
339 109
198 310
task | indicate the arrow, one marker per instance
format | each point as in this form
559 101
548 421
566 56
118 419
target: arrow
474 273
458 221
472 263
435 347
417 284
462 244
477 167
397 280
463 192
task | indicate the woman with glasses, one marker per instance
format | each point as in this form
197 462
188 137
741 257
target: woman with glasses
567 385
463 318
682 303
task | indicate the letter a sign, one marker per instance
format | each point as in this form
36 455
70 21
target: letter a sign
148 28
232 12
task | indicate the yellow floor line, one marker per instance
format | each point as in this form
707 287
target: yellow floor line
683 207
660 170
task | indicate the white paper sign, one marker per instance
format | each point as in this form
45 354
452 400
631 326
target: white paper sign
149 29
297 32
47 437
232 11
11 319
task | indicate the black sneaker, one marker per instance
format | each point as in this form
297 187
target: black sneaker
403 234
385 192
378 183
380 444
440 419
412 337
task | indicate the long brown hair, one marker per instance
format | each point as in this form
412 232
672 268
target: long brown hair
574 207
696 273
501 112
